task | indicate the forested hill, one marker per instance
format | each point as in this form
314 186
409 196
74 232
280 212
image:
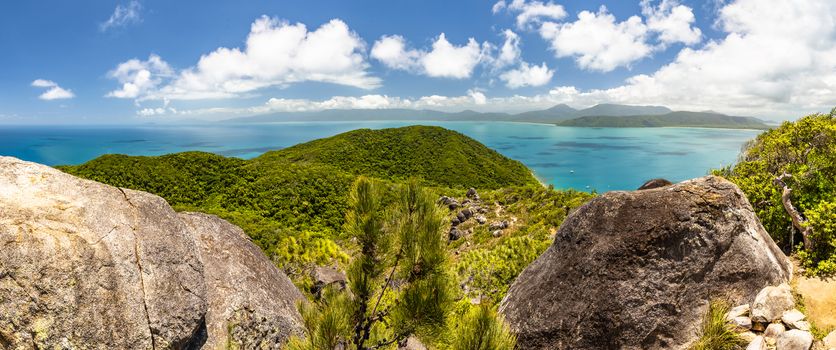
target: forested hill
439 156
292 202
673 119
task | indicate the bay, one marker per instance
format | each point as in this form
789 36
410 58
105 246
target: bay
600 159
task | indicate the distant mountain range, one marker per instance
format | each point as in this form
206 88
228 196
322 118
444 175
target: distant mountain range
672 119
601 115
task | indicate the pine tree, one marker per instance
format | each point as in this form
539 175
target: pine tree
400 283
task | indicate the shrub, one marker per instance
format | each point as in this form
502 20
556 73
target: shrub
806 151
716 333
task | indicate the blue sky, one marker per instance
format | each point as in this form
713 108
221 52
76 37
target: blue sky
148 60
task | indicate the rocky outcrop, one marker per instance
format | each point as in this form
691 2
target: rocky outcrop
327 276
770 319
250 302
637 269
654 183
84 265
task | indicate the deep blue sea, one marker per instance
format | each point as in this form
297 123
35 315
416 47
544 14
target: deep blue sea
602 159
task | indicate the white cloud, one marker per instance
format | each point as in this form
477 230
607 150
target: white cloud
478 97
527 75
530 13
473 99
43 83
391 51
758 66
276 54
672 21
498 6
444 60
53 92
449 61
510 51
752 68
123 15
597 41
138 78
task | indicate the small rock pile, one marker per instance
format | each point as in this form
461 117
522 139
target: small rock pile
497 227
772 321
471 207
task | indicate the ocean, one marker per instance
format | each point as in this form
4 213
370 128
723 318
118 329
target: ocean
586 159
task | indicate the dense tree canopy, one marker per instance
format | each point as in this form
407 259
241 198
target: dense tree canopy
802 154
437 156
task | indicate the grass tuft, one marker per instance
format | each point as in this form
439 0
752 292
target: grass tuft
717 333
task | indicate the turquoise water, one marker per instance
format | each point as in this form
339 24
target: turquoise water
581 158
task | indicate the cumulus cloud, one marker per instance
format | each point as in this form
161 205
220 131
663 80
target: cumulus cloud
443 60
392 52
138 77
510 51
530 13
53 92
527 75
446 60
276 53
473 99
43 83
597 41
123 15
450 61
757 66
672 21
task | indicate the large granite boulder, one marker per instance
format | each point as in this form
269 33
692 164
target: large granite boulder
637 269
251 304
86 265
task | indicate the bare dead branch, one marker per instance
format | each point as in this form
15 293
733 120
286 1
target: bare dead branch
799 222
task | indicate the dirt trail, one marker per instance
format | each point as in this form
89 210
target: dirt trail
819 298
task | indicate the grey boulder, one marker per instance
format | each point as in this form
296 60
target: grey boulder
830 341
636 269
251 304
794 339
86 265
771 303
759 343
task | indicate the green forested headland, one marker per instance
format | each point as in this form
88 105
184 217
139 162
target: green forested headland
292 202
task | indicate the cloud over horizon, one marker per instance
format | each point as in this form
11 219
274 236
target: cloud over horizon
747 66
53 92
276 53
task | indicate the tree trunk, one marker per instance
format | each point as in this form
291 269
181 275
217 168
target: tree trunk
798 221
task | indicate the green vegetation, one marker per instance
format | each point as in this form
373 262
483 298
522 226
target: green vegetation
298 206
716 333
292 202
489 264
438 156
802 154
400 283
673 119
483 329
